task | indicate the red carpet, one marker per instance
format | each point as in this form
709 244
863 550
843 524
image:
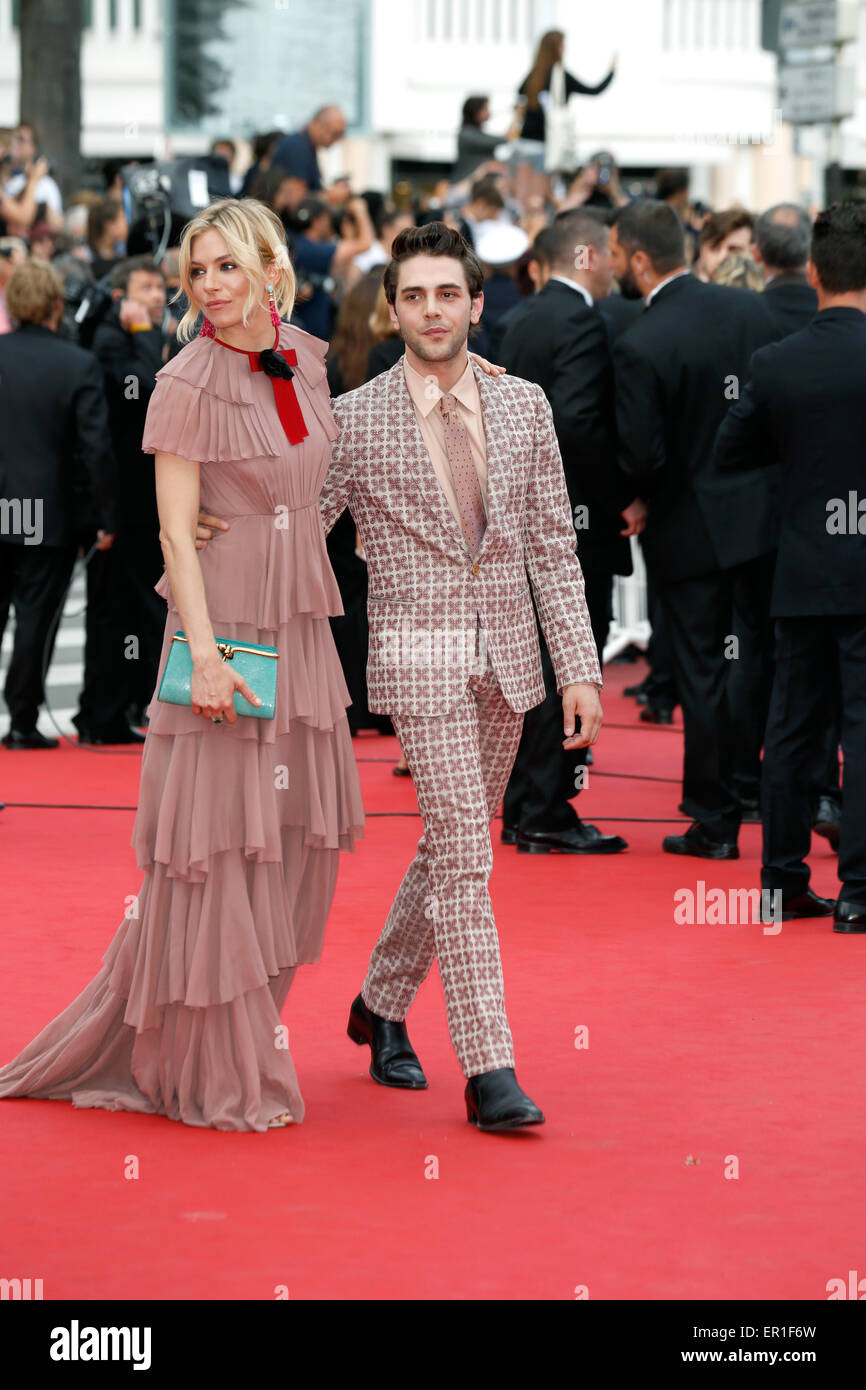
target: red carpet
707 1044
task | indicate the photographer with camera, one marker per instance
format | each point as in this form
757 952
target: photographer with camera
320 257
29 191
596 186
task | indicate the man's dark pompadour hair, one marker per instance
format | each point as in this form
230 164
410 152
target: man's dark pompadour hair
433 239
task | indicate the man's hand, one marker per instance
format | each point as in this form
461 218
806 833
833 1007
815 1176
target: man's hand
580 702
207 528
104 540
133 314
634 516
37 170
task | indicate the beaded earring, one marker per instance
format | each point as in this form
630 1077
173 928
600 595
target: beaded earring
207 329
272 306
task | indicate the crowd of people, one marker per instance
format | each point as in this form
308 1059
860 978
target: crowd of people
658 329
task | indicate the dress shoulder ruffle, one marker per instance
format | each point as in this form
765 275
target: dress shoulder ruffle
204 407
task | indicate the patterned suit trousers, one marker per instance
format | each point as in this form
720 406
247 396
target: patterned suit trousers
460 764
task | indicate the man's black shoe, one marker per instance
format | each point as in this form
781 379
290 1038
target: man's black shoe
656 714
696 842
806 904
99 737
848 917
32 739
393 1061
578 839
495 1101
509 834
827 822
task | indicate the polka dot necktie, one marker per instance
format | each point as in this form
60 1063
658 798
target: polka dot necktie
464 474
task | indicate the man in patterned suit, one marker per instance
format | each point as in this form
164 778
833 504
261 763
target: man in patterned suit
455 482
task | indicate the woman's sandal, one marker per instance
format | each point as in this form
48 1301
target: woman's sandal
281 1121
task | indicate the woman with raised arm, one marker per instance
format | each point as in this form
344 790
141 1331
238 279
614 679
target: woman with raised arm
240 818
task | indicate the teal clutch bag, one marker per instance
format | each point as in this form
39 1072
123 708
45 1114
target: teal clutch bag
257 665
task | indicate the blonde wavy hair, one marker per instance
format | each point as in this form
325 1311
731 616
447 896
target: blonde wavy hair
255 237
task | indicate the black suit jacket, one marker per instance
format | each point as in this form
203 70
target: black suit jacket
557 341
678 368
791 303
805 410
129 363
54 440
618 313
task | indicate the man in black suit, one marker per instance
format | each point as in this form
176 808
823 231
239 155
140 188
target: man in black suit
121 603
656 692
781 248
805 409
709 538
782 237
559 340
53 435
619 313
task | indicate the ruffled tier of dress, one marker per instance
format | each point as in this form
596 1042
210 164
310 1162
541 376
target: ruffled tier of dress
196 803
91 1056
291 577
311 687
204 943
212 413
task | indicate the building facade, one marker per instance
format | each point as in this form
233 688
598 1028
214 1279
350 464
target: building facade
693 87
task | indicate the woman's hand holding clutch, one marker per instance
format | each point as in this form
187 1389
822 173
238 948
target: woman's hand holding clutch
213 686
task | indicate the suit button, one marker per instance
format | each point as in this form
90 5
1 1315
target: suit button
476 569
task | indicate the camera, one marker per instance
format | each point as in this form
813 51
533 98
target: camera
160 198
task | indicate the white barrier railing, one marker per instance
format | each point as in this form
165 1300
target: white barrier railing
630 608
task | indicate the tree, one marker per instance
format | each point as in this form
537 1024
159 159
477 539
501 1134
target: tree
198 76
50 90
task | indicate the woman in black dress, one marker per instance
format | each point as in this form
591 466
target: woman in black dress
550 52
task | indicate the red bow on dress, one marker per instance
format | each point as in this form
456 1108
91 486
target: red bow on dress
288 408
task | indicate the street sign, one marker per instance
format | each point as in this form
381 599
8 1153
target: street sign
816 23
811 93
807 25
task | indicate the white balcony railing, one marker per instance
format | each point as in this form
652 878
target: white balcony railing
711 25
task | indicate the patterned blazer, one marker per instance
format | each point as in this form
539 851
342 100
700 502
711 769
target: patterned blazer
427 595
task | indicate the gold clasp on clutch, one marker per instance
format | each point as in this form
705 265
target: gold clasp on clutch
227 650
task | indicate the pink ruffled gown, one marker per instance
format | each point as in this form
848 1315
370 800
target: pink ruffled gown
239 826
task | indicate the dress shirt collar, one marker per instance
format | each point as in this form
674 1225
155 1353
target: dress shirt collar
574 285
424 399
660 286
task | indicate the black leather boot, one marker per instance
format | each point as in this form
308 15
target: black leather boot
393 1061
495 1101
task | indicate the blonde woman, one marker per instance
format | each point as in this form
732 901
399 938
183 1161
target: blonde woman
740 270
240 820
